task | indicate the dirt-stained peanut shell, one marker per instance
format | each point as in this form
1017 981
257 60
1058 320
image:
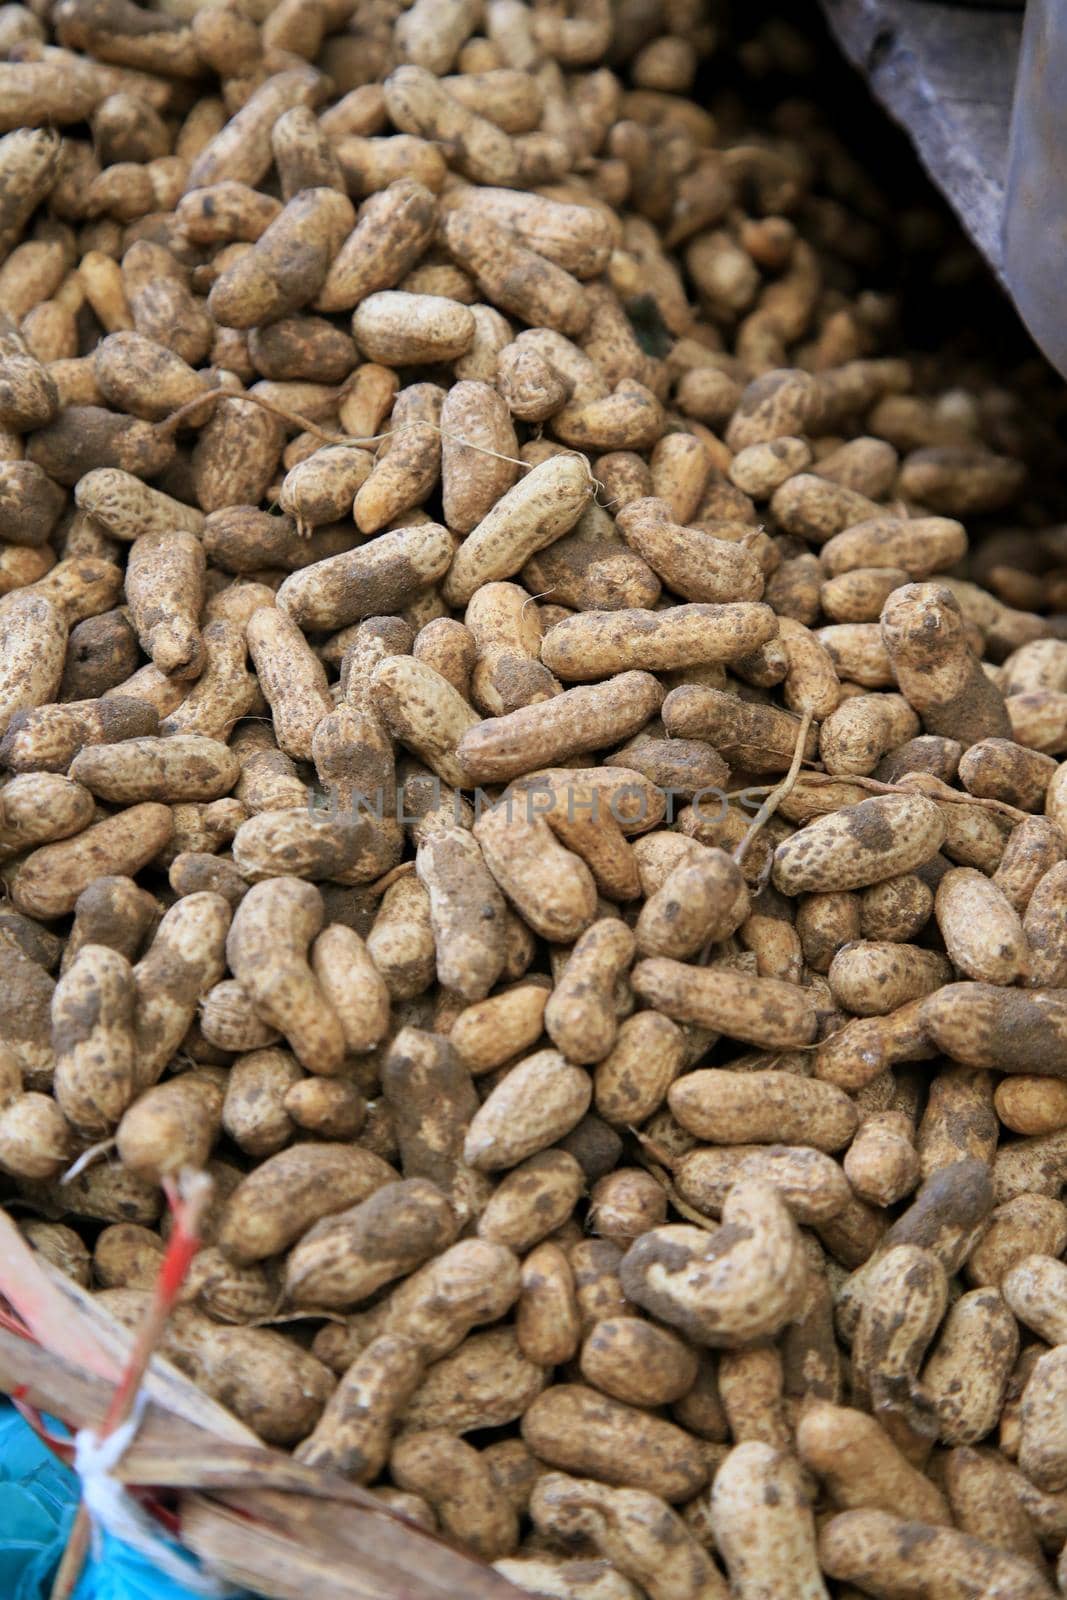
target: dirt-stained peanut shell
744 1282
575 1428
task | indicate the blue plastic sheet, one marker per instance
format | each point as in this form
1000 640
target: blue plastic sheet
38 1499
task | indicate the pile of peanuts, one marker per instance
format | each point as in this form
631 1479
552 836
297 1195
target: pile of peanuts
529 751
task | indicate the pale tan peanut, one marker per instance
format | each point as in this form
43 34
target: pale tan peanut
1002 770
467 912
546 1320
38 807
400 329
486 1383
761 1011
144 379
637 1530
62 1247
936 669
267 950
49 737
551 887
574 1427
477 437
291 677
432 1102
286 267
471 1282
401 943
758 469
328 1107
283 1197
881 1163
986 1025
861 730
756 737
186 766
49 880
541 1098
424 712
321 488
597 643
809 1182
228 1019
115 912
634 1361
352 985
860 845
93 1040
897 909
453 1477
730 1108
394 228
763 1525
859 594
557 729
826 922
904 1299
692 563
344 1258
871 978
534 1200
275 1387
1042 1445
1044 927
35 1137
506 630
580 1013
224 692
592 816
727 1288
165 593
419 104
253 1112
171 1126
186 957
816 509
859 653
884 1554
532 389
626 1203
862 1468
448 646
33 643
539 509
750 1384
127 508
921 545
370 164
492 1031
560 1579
631 1081
380 576
353 1434
697 904
576 237
1035 1289
1032 1105
966 1374
492 334
1029 1224
981 1485
513 277
982 932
